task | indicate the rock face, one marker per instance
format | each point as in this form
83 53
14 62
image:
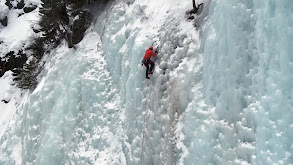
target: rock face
8 4
80 25
4 21
20 4
29 8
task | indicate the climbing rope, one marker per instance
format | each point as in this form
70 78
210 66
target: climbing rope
144 125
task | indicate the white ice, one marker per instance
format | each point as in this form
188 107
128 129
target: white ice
221 93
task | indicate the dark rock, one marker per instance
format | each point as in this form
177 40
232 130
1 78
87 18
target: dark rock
20 4
36 30
5 101
20 14
4 21
29 9
7 3
190 17
80 25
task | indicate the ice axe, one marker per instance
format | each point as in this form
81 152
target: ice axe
157 47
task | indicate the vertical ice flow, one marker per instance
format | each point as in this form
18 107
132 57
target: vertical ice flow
221 92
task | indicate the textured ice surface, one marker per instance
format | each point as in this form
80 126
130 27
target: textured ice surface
245 114
219 95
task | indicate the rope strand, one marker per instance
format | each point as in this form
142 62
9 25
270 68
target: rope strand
144 126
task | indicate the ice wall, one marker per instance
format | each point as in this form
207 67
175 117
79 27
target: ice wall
58 124
90 105
221 92
247 113
125 37
273 31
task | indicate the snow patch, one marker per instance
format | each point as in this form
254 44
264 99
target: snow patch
9 99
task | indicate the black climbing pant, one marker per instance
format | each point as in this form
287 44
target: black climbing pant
148 69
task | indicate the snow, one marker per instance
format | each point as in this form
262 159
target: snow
19 29
221 93
8 93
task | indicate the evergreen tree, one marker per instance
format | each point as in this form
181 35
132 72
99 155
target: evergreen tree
54 22
55 26
27 76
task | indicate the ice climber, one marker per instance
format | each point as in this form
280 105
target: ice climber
147 61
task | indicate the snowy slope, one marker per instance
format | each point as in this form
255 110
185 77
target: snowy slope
221 93
14 37
19 30
10 96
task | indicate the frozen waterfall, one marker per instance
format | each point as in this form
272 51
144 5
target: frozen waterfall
221 92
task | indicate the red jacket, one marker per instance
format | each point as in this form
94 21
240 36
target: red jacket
148 54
